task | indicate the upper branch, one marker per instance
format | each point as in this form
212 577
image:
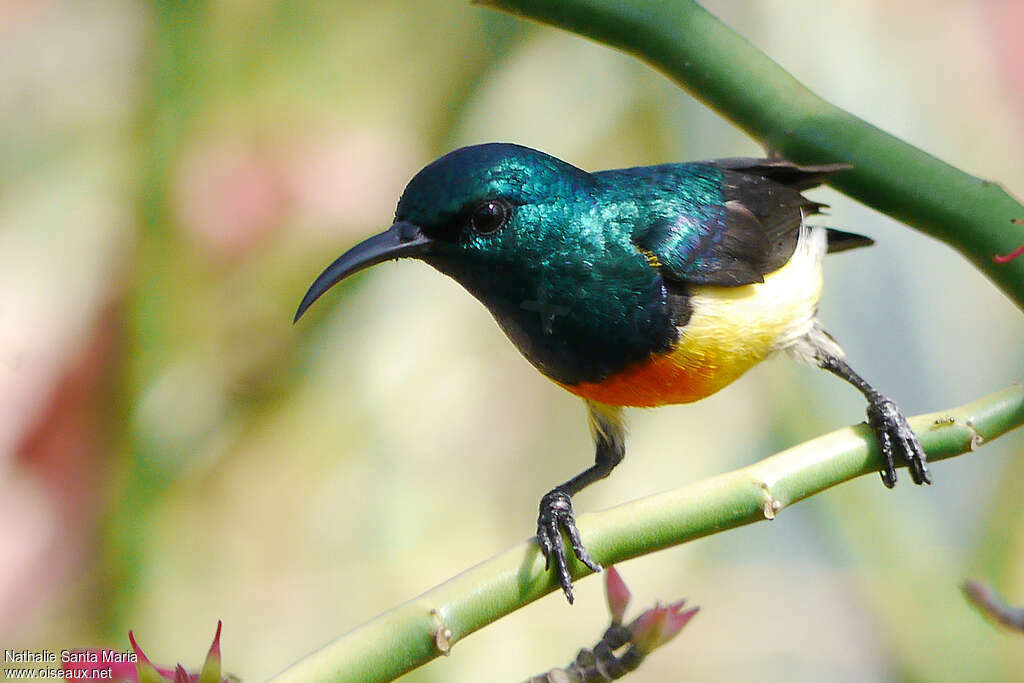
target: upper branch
715 64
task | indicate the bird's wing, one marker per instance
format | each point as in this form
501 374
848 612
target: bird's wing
749 231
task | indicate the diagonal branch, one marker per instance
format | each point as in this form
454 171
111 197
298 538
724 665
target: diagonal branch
417 631
715 64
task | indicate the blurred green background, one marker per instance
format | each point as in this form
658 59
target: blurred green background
173 451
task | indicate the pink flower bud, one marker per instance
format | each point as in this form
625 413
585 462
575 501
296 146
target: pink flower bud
618 594
659 625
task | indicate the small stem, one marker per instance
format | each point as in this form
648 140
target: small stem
992 605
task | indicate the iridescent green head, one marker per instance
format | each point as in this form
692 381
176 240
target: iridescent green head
538 241
446 195
479 205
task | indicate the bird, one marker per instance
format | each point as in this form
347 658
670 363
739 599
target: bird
632 287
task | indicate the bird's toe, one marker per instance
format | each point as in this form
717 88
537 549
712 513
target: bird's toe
895 437
556 514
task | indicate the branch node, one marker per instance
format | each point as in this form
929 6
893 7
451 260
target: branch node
442 634
771 504
949 421
976 438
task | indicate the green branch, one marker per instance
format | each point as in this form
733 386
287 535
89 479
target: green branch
740 82
412 634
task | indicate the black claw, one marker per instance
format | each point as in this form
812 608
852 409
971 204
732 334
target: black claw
896 437
577 546
555 515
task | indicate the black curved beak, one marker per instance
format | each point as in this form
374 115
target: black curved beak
401 240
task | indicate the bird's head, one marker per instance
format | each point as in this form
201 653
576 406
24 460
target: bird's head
545 246
478 214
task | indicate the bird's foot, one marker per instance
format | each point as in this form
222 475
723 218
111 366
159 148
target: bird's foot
896 437
556 514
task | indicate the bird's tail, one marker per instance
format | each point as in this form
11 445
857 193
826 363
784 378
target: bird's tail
840 240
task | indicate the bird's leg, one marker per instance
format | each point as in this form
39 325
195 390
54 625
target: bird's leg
886 419
556 511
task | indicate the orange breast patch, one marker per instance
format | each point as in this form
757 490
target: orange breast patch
675 377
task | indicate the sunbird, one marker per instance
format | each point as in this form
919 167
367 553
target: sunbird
638 286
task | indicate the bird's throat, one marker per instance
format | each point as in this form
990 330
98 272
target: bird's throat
582 333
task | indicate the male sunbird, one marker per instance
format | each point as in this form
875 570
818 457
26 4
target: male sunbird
631 287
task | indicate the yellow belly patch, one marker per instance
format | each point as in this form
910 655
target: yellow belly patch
730 330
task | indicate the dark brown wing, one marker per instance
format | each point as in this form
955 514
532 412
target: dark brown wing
755 230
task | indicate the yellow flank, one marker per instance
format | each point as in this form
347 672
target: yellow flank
730 330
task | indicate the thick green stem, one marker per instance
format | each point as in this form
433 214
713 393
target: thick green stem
179 41
416 632
717 65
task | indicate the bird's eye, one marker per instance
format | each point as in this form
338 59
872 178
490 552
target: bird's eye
489 215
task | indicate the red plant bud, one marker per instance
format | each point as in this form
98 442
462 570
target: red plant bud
211 667
618 594
676 621
647 628
659 625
